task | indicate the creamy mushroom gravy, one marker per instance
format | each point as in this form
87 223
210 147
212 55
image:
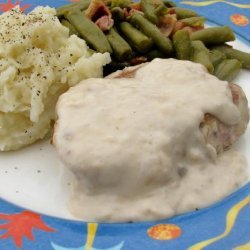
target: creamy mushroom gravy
135 145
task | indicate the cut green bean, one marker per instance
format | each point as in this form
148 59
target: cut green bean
194 21
182 45
216 57
121 49
201 55
72 29
228 69
231 53
117 14
135 38
161 10
89 31
120 3
169 3
81 5
155 53
148 8
214 35
199 46
151 30
202 58
182 13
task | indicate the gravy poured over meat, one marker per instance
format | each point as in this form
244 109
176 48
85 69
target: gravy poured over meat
150 145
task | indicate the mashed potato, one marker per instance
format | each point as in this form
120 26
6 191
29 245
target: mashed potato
38 62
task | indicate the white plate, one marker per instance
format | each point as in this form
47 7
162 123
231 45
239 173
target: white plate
34 178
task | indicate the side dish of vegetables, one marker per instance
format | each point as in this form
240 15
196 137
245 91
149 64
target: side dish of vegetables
137 32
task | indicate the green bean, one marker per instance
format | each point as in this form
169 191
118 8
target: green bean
194 21
155 53
199 46
231 53
135 38
117 13
148 8
202 58
214 35
148 28
228 69
120 47
216 57
120 3
72 29
161 10
169 3
182 13
89 31
182 45
201 55
81 5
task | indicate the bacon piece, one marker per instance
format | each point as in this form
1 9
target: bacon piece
138 60
100 14
135 6
179 25
105 23
167 24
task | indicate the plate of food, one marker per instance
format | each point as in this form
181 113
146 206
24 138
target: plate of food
124 125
